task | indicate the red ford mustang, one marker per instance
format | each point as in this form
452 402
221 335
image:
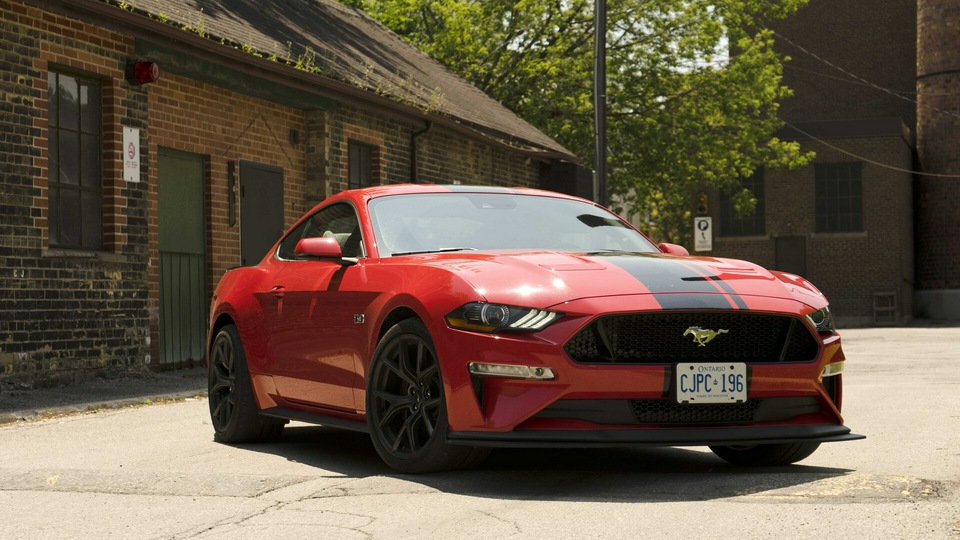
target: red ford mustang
444 321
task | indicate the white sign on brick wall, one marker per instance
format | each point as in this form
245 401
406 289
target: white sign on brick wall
131 154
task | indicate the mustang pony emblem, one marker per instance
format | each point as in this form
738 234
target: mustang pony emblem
703 336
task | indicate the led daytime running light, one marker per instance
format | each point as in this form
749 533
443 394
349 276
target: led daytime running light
511 371
535 319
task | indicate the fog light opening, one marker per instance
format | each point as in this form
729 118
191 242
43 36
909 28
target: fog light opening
830 370
510 371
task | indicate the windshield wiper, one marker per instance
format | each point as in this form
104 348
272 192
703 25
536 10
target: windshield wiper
438 250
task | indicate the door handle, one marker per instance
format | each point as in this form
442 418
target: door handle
277 292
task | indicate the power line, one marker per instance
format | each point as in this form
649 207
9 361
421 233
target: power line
838 78
862 80
867 160
847 80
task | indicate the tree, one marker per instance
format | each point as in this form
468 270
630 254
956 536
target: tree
693 87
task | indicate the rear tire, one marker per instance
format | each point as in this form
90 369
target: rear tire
406 406
233 407
765 454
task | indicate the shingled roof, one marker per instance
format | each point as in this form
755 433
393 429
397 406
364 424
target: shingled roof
346 45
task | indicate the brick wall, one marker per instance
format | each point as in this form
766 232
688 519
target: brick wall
443 157
447 159
221 126
65 313
938 145
70 314
848 267
849 61
873 39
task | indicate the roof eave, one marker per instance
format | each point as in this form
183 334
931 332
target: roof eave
144 27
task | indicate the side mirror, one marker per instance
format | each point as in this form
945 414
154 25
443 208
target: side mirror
673 249
321 247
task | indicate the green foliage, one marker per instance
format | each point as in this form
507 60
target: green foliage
693 86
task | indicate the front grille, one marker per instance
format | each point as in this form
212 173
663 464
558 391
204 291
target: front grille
667 413
661 411
657 338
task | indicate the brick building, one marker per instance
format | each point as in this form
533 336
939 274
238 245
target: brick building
938 148
865 221
124 198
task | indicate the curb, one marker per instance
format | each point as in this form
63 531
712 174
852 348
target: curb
30 415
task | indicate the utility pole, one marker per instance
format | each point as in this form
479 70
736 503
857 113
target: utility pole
600 100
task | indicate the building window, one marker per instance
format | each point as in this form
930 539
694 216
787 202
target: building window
360 170
839 204
753 224
75 151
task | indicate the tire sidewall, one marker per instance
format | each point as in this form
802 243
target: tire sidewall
422 460
245 407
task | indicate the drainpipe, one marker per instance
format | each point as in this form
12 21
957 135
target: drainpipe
414 166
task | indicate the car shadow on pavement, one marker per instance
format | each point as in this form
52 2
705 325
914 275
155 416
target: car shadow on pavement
652 474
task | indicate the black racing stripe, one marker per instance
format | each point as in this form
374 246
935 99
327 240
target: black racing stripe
661 275
693 301
737 299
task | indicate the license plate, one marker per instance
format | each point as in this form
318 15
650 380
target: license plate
711 382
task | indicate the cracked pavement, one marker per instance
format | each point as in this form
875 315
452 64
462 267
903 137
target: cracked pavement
154 472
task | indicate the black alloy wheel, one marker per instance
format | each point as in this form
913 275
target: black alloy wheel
233 408
406 409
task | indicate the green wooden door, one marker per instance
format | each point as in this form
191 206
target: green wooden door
261 210
183 294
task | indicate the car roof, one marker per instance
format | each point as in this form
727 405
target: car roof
365 194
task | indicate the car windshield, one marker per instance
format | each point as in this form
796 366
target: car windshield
437 222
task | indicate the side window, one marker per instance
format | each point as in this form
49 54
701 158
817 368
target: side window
75 162
338 221
360 165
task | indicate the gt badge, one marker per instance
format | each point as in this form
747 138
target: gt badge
703 336
358 318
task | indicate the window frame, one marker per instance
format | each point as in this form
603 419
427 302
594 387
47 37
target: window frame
838 200
87 137
360 160
317 221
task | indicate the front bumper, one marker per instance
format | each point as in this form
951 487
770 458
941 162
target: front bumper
725 436
593 404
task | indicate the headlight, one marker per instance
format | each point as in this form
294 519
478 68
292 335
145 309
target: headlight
822 320
483 317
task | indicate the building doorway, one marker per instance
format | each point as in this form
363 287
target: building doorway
261 210
792 254
183 293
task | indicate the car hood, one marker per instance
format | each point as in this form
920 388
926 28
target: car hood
545 278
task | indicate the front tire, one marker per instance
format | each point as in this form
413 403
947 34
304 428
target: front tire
233 407
406 407
765 454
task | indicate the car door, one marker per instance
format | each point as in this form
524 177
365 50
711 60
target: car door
314 340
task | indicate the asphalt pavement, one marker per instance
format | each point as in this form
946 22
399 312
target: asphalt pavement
135 388
155 472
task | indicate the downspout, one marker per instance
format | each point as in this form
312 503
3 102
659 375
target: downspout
414 165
